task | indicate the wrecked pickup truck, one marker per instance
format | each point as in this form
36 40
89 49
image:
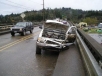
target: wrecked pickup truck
55 36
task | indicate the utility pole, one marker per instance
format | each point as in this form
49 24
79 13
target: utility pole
43 13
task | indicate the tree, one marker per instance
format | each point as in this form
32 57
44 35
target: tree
90 20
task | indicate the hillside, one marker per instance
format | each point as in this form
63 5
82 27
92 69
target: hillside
75 15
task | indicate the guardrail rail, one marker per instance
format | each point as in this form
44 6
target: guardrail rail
91 52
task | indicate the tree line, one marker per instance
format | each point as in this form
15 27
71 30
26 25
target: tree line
75 15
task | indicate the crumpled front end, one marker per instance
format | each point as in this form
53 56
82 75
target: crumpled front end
53 35
47 43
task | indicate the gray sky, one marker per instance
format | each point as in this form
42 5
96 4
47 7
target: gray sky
18 6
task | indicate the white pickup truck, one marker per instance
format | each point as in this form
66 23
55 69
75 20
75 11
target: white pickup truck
55 35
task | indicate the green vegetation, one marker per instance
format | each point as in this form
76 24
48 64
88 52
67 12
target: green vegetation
93 30
75 15
90 21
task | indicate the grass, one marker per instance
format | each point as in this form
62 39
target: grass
93 30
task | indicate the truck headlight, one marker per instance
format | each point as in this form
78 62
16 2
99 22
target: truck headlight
20 29
40 39
11 29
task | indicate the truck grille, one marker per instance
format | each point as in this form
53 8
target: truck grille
15 29
50 42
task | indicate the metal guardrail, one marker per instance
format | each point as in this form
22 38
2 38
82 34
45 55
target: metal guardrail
94 46
90 60
5 29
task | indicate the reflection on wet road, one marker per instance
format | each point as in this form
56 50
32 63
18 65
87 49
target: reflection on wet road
18 58
21 60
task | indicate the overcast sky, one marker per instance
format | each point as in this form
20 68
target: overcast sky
18 6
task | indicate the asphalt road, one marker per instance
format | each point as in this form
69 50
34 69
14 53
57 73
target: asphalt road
18 58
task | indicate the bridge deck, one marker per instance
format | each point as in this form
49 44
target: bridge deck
69 63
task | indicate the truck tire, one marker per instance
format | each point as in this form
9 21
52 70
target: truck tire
38 50
31 31
23 33
12 33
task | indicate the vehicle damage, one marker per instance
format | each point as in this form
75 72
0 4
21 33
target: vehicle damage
53 36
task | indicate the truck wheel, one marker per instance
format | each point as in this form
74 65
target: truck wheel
38 50
12 33
31 31
23 33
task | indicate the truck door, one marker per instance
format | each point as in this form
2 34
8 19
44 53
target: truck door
71 34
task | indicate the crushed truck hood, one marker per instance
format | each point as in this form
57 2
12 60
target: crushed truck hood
55 25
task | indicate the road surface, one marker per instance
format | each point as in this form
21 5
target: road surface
18 58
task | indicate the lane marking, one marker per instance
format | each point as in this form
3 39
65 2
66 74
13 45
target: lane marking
17 41
13 42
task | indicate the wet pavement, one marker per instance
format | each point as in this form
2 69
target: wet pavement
97 37
7 38
20 59
70 63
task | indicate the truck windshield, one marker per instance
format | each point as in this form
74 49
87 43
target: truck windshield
21 24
